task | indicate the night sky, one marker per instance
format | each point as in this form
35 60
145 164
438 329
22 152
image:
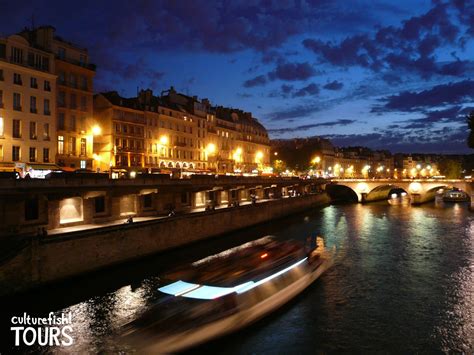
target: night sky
395 75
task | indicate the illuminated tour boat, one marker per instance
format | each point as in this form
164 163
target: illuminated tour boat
225 292
455 195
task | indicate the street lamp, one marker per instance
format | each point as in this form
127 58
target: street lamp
96 130
164 140
211 151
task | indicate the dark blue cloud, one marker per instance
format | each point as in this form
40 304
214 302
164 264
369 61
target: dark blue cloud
292 71
410 47
333 85
257 81
340 122
439 95
309 90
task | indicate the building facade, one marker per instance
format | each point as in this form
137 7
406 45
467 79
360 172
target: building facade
121 142
177 132
74 97
27 106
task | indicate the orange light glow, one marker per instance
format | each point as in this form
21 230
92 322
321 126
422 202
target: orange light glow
263 256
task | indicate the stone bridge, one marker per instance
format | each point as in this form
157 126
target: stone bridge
419 191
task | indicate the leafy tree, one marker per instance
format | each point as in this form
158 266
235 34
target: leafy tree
470 122
450 168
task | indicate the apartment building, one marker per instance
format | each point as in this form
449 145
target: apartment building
27 106
121 142
74 103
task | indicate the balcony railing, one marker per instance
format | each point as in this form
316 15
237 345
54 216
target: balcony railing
77 62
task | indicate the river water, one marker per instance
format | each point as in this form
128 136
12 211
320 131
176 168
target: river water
402 282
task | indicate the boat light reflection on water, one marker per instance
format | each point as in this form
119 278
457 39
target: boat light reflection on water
204 292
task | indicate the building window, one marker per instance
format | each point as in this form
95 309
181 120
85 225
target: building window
31 209
60 144
61 120
72 145
45 155
72 80
82 59
1 152
47 111
46 132
17 55
62 99
32 130
17 79
33 83
16 129
73 123
1 98
32 154
33 104
1 75
83 164
61 53
47 85
2 127
84 103
148 201
72 102
83 146
84 82
16 101
62 78
99 203
15 153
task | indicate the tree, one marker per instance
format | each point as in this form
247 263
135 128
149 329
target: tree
470 122
450 168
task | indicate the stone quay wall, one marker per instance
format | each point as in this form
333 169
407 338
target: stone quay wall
48 259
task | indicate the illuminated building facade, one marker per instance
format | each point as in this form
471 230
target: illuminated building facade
27 106
74 97
242 142
120 143
176 131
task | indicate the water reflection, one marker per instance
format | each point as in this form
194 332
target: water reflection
403 279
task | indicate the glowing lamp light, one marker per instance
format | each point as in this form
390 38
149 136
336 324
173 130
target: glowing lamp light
163 140
362 187
316 160
263 256
96 157
415 187
96 130
259 155
133 174
393 195
211 148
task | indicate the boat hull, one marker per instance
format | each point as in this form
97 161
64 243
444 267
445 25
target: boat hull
239 320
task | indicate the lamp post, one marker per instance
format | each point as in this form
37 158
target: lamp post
237 156
315 162
96 158
211 152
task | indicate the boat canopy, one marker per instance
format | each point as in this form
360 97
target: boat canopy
204 292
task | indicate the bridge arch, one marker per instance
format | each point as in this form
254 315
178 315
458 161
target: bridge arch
384 192
340 192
